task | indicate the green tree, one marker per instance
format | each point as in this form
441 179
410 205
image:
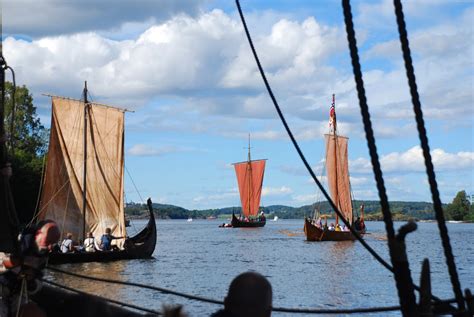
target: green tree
459 208
27 147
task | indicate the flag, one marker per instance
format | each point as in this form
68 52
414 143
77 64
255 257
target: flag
332 117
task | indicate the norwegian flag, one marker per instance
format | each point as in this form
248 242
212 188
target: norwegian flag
332 115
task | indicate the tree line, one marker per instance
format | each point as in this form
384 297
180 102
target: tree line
460 209
26 147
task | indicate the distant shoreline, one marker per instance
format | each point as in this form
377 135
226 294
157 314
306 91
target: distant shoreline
370 219
401 211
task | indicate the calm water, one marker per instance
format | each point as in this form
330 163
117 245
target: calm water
201 259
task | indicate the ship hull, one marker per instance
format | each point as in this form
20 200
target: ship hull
236 223
314 233
140 246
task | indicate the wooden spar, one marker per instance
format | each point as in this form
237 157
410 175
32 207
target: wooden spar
95 103
84 190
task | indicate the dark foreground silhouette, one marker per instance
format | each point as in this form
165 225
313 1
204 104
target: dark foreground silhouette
250 295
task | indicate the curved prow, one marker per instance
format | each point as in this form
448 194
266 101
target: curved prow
144 242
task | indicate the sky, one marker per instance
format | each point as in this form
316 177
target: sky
186 70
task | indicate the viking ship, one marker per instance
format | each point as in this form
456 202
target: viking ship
337 169
83 188
250 179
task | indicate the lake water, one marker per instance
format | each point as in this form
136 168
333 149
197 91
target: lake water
201 259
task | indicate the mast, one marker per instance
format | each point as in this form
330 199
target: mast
84 191
249 167
333 114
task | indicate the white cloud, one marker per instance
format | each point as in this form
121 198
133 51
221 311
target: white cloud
442 56
304 199
218 198
276 191
148 150
412 161
183 56
358 181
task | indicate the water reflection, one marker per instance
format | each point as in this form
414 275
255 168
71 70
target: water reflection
339 278
112 270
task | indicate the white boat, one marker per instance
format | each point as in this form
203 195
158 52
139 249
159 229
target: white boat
190 219
275 218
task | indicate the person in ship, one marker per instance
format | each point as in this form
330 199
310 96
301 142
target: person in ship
106 240
67 244
89 243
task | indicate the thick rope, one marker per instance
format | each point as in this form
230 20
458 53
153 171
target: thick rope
403 281
212 301
154 288
443 230
12 138
102 298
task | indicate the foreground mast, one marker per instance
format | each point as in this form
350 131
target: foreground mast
84 191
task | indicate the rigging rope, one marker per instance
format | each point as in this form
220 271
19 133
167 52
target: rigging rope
443 230
38 197
404 282
213 301
102 298
155 288
12 114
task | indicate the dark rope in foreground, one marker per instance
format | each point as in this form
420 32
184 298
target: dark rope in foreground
443 230
103 298
154 288
212 301
12 112
401 270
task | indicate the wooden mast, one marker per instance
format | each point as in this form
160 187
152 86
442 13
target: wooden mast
84 191
249 166
334 124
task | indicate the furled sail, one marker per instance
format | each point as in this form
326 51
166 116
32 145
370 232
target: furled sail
62 195
250 179
337 167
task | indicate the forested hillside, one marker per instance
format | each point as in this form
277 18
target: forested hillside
400 209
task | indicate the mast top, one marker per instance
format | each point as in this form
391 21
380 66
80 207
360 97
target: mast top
85 91
249 149
332 116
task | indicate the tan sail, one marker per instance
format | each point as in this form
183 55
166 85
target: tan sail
337 167
62 194
250 179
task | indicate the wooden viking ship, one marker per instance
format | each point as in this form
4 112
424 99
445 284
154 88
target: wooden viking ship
250 179
337 169
83 189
